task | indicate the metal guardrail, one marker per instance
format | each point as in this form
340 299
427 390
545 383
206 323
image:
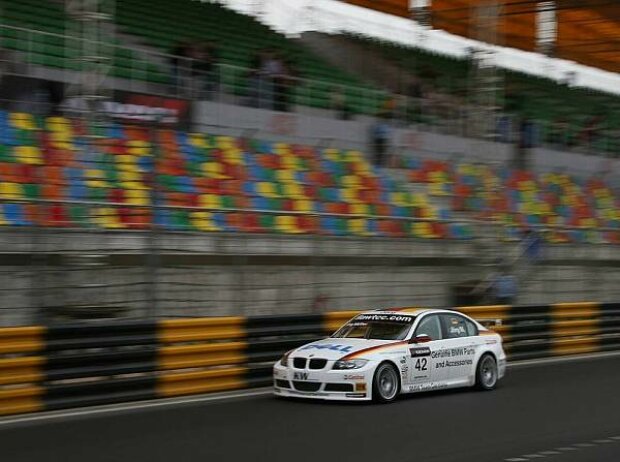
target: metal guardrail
87 364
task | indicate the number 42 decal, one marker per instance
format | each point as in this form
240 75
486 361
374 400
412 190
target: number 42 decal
421 364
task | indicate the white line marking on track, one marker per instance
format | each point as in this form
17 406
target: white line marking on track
556 451
107 409
214 398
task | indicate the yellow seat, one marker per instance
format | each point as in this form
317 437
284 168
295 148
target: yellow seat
213 170
28 155
134 185
224 142
198 140
140 152
10 190
126 162
137 197
22 121
128 177
210 201
358 226
285 176
349 195
203 221
293 191
332 154
359 209
106 217
267 189
398 198
423 230
289 162
233 156
303 205
351 181
137 144
286 224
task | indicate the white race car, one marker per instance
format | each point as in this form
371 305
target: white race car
381 354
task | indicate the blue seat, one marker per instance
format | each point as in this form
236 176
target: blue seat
220 221
14 214
162 217
186 184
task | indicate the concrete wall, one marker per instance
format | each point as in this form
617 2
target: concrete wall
201 275
322 128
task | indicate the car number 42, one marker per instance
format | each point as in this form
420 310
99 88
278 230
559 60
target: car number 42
421 364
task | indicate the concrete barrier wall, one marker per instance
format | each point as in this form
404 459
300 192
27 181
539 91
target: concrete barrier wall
86 364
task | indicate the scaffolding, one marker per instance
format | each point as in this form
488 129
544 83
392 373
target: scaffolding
90 47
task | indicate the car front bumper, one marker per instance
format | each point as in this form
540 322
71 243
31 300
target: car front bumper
327 384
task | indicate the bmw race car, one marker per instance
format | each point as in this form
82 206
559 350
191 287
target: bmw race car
380 354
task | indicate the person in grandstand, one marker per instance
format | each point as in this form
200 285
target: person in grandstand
381 133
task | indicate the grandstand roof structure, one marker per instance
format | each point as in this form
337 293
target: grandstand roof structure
588 31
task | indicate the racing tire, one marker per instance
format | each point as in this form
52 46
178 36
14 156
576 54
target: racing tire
486 373
385 383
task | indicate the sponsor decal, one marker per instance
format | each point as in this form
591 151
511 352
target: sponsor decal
300 376
449 352
428 386
453 352
353 377
458 331
357 354
384 318
148 108
328 346
416 352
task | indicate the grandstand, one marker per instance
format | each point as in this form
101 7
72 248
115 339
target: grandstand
235 174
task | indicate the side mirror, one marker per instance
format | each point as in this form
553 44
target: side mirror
422 338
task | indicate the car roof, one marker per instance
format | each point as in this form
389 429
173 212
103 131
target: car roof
412 311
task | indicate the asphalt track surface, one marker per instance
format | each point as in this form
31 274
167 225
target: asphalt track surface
565 412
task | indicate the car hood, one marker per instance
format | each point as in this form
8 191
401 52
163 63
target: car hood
337 348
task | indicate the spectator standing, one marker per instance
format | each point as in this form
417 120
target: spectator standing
338 103
206 68
179 61
381 132
532 245
271 66
505 288
254 79
283 83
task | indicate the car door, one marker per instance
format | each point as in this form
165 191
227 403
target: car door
423 370
460 343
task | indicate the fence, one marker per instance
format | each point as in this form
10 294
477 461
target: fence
77 365
30 52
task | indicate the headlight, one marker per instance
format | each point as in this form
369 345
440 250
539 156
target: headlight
284 359
350 364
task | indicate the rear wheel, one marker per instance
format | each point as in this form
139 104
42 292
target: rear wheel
486 373
385 383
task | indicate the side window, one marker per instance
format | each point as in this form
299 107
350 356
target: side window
430 325
456 326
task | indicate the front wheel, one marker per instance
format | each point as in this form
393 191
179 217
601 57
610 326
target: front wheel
486 373
385 384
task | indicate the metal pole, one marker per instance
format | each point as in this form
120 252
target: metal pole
153 257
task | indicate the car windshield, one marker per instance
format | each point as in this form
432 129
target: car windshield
377 327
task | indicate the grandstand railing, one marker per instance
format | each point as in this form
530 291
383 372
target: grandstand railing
152 72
